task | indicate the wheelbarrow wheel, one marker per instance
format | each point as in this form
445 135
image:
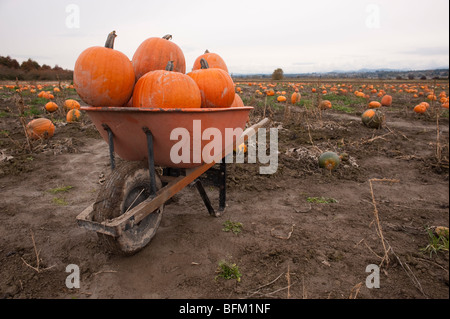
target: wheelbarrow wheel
127 186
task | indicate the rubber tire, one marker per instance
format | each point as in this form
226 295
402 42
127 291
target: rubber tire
117 193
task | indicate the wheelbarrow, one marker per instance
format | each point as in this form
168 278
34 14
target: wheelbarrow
129 206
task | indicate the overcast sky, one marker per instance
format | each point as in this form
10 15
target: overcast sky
251 36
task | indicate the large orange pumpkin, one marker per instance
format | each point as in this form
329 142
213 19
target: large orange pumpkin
420 108
386 100
166 89
281 98
51 107
295 97
374 105
104 76
214 61
71 104
40 128
73 115
216 86
325 104
153 54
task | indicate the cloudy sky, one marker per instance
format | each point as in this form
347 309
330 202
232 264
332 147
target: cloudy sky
251 36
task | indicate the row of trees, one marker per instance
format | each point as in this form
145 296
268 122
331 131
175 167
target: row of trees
10 69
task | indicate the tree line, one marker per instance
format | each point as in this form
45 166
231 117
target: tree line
30 70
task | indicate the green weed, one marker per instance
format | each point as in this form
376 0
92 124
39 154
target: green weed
234 227
228 270
321 200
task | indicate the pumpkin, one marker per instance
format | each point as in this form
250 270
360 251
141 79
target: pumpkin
386 100
237 102
73 115
40 128
426 104
153 54
167 89
329 160
71 104
51 107
103 76
325 104
295 97
373 118
216 86
420 108
214 61
374 104
270 92
281 98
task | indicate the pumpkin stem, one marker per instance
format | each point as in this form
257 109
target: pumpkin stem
204 64
169 66
110 40
206 51
167 37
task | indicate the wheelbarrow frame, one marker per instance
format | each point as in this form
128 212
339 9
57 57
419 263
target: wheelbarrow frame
173 184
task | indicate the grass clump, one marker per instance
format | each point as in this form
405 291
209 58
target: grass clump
321 200
438 242
234 227
228 270
61 189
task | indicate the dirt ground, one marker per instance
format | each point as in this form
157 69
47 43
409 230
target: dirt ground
290 246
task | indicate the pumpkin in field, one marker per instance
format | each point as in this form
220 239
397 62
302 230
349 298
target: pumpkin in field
214 61
70 104
40 128
386 100
73 115
237 102
295 97
329 160
325 104
167 89
373 118
270 92
425 104
374 104
103 76
216 86
153 54
420 108
51 107
281 98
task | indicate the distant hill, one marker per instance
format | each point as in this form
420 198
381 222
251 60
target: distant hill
385 74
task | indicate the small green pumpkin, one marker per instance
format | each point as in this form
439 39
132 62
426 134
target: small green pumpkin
329 160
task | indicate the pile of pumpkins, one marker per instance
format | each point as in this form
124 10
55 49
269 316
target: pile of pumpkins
155 77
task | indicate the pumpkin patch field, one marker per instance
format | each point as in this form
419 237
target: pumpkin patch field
362 183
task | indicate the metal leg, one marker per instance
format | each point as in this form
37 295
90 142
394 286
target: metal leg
222 185
111 146
205 197
151 160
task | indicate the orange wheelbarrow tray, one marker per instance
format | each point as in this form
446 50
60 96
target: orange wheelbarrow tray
143 135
